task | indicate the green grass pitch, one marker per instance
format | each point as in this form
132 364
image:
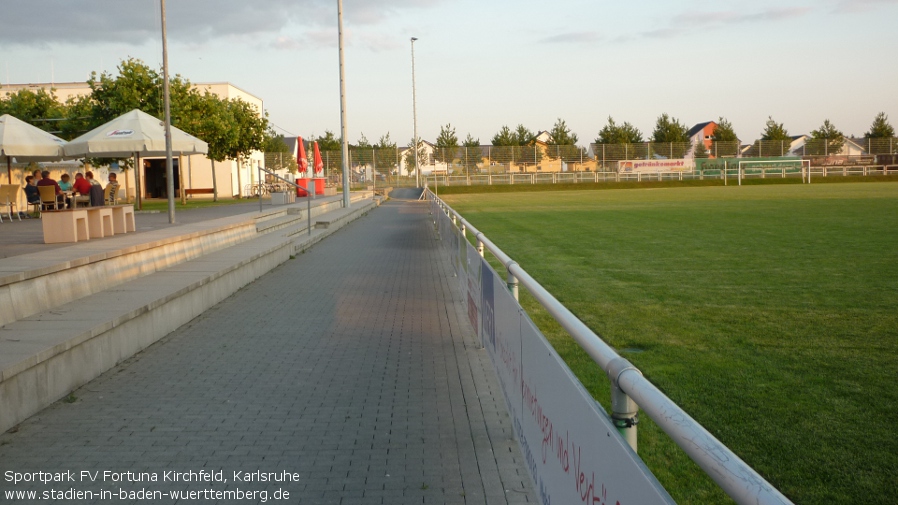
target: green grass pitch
769 313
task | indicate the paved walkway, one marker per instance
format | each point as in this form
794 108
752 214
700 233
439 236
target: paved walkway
26 236
350 368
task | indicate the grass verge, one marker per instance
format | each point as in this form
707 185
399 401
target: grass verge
586 186
765 311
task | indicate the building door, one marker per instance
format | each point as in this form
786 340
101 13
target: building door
155 185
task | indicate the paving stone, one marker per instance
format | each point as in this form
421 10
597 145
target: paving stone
351 365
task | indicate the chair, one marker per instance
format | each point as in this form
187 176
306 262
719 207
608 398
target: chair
109 195
81 201
9 194
48 198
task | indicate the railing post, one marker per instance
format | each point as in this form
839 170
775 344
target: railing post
512 281
624 411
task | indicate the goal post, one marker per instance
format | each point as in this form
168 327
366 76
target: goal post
784 167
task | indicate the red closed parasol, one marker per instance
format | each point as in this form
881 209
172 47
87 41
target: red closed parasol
319 165
301 159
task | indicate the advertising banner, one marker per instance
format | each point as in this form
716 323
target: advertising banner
472 288
571 448
501 323
655 166
789 163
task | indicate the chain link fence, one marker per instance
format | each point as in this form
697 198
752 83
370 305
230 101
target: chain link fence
396 166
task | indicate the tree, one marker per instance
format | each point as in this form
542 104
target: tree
511 146
504 137
78 119
212 121
774 131
277 154
775 141
700 151
524 136
620 142
447 145
563 143
560 135
34 108
329 142
331 149
880 129
825 140
410 162
726 143
670 131
364 151
250 125
385 155
623 134
473 153
136 86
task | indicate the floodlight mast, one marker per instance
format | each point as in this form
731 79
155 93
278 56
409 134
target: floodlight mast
415 117
345 146
169 171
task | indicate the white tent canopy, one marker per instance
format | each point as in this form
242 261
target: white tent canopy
26 143
135 132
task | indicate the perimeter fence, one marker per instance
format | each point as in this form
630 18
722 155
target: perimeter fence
397 166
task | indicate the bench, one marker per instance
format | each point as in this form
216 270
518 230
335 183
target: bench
199 191
99 222
65 226
122 218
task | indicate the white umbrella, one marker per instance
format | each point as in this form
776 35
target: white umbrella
135 132
26 143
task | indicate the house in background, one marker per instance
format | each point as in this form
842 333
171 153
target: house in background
702 132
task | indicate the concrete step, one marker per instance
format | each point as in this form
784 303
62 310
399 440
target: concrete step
51 352
278 223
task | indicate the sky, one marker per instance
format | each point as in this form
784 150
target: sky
482 64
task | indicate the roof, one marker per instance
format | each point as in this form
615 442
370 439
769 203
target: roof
699 127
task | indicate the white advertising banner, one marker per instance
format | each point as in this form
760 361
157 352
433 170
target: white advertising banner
501 325
472 287
571 447
655 166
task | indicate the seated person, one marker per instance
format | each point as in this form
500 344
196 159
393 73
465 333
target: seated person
47 181
90 178
81 185
113 189
65 183
32 194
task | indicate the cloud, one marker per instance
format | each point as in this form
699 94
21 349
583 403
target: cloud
195 21
726 18
572 38
687 22
285 43
843 6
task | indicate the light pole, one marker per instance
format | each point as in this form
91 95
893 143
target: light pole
169 172
345 146
415 117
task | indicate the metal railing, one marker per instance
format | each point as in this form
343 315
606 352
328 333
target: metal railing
630 391
310 194
612 177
